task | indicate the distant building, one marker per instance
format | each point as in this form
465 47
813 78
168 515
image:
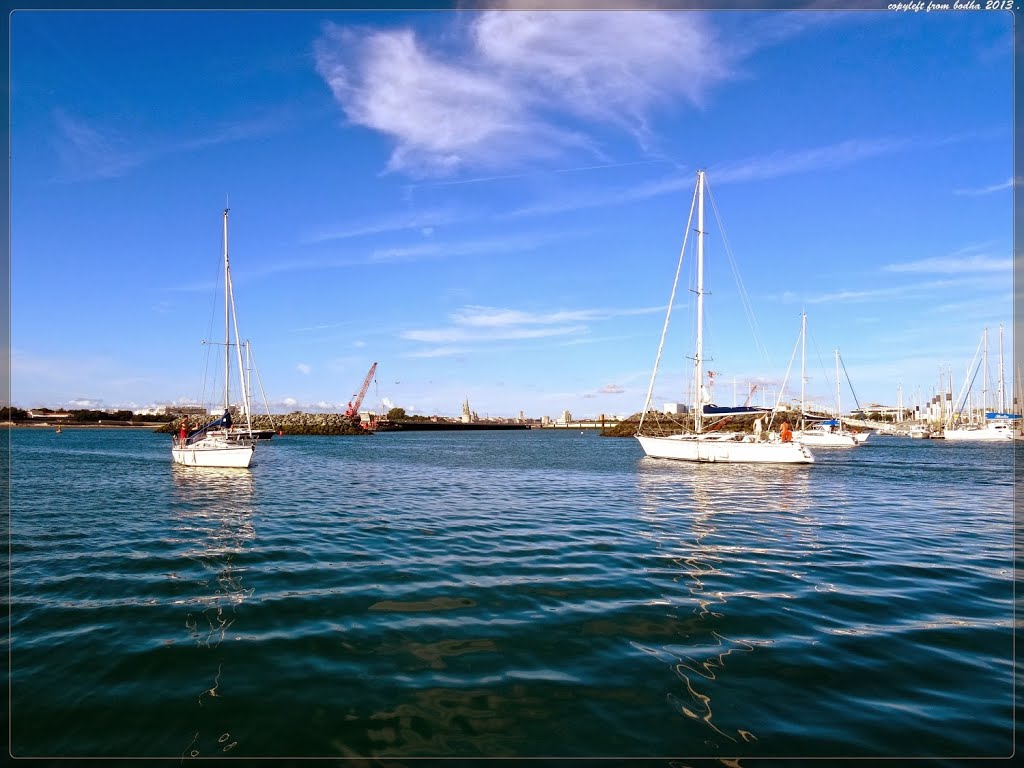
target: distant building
875 410
675 408
467 415
566 417
545 421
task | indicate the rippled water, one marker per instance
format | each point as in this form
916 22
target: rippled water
508 594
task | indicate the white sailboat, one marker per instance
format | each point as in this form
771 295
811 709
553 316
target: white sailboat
998 426
214 445
829 433
700 445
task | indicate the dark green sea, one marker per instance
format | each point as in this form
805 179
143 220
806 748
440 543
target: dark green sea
508 594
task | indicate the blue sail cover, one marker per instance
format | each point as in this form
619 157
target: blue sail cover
991 415
223 421
733 410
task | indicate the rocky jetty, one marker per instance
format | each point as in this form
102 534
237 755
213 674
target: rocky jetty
294 424
667 424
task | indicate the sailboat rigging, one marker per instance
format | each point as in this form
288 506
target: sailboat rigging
998 425
827 433
214 444
701 445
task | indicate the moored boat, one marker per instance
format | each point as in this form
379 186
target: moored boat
700 445
213 445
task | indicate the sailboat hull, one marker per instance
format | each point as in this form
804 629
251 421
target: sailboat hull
821 439
219 453
724 448
988 433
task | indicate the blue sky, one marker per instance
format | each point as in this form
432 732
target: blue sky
491 204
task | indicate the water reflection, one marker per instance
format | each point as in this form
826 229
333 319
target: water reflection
213 514
720 532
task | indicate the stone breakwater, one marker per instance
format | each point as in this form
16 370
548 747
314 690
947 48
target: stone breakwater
293 424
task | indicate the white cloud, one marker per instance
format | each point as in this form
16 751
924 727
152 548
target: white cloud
609 66
490 317
447 335
84 402
954 264
422 220
478 324
440 250
915 290
610 389
441 116
800 161
576 202
303 369
1008 184
495 101
439 352
89 150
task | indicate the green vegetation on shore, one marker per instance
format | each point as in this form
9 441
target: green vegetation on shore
79 416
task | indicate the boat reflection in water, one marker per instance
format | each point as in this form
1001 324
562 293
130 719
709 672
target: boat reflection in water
727 541
213 512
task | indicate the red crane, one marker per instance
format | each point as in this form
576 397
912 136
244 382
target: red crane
357 400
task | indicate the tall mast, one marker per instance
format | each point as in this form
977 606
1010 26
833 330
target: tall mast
698 359
839 408
803 362
984 372
952 405
227 328
1002 400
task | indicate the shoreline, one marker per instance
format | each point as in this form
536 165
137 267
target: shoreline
47 425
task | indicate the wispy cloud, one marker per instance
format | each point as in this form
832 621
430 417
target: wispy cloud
1008 184
485 325
785 163
611 389
498 91
455 334
916 289
949 265
437 249
439 352
304 369
412 220
489 317
89 151
969 259
757 168
600 199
